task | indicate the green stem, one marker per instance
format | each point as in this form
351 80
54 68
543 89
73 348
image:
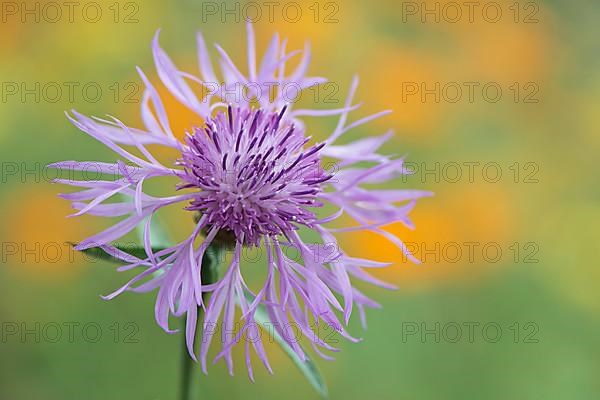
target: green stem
188 367
209 273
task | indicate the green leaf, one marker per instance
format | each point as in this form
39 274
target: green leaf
158 237
136 251
307 367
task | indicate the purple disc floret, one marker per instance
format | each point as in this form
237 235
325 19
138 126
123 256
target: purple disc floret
255 176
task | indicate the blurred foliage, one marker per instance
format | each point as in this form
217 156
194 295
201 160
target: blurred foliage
559 213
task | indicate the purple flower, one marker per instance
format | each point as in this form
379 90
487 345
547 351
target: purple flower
249 175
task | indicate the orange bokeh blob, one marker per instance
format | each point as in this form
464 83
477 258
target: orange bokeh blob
391 80
37 234
445 228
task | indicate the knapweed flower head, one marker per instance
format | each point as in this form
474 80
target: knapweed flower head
252 176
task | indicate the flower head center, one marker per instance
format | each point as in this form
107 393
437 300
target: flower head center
254 174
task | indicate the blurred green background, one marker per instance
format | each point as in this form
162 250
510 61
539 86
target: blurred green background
534 310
